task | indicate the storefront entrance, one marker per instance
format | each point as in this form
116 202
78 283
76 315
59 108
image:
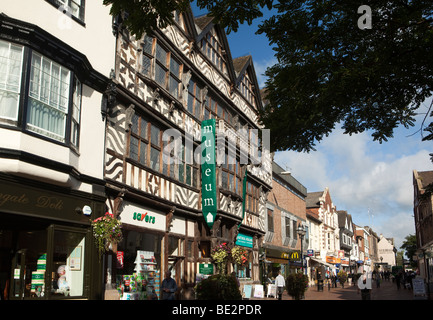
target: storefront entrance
41 260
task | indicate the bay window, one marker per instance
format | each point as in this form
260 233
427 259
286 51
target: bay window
46 101
11 60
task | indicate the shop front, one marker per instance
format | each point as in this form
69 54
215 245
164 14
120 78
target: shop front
148 249
287 262
319 270
245 241
46 245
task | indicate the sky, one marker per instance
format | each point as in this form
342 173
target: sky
371 181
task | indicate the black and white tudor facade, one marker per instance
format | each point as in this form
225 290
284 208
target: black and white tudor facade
174 79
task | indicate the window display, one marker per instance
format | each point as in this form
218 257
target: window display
139 266
68 274
45 270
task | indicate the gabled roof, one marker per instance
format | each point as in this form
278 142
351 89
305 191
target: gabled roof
204 24
342 218
312 213
313 199
244 65
190 25
345 220
424 177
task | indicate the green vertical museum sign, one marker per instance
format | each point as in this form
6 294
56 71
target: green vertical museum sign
208 172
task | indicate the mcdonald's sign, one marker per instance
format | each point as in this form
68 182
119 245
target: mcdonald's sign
295 256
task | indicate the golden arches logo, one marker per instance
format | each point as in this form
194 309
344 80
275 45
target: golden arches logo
294 256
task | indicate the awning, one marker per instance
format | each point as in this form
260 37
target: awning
323 262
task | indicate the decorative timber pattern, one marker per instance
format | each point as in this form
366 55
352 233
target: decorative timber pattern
120 170
128 75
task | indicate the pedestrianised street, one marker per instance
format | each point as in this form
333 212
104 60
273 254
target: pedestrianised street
387 291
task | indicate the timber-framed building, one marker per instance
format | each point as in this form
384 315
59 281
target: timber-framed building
173 79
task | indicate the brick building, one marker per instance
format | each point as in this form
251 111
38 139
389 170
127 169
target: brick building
285 213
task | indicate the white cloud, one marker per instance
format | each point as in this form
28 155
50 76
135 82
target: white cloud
372 182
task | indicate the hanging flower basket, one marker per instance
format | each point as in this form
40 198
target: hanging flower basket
239 256
106 230
220 256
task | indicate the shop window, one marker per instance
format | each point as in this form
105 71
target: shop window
29 266
245 271
67 276
49 269
138 273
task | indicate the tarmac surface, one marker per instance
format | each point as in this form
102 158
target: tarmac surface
387 291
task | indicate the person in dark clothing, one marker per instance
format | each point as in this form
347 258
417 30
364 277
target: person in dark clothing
398 280
168 287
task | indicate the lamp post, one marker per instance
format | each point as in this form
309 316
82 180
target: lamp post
301 233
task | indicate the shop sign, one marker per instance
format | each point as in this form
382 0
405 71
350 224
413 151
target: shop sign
310 253
205 268
37 201
330 259
244 240
295 256
208 172
144 217
285 255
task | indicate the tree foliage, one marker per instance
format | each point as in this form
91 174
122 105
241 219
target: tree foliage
410 247
330 71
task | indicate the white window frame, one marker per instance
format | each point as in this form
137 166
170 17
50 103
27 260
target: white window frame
5 79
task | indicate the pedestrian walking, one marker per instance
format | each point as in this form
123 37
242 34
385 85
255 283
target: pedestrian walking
398 280
280 283
364 286
168 287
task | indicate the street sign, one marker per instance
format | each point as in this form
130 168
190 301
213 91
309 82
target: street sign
205 268
418 289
